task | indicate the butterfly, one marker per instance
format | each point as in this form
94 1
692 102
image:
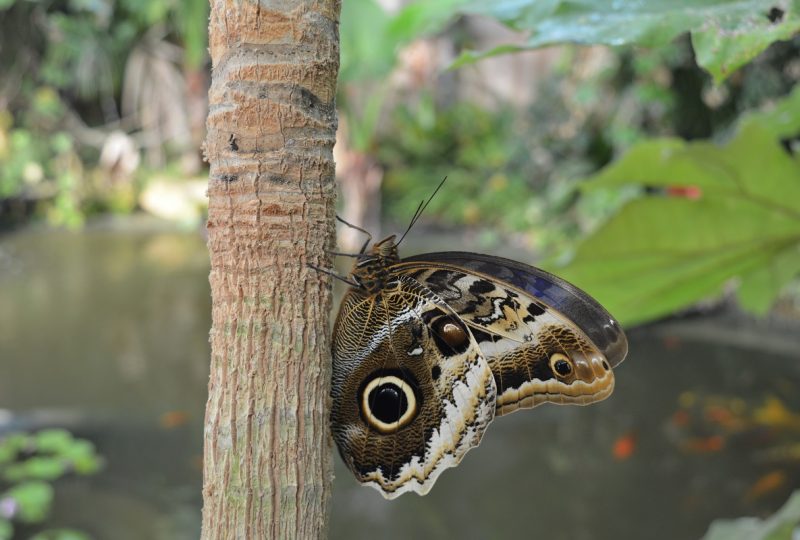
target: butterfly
429 349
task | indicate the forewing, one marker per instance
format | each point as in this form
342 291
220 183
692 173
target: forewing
537 353
388 352
576 305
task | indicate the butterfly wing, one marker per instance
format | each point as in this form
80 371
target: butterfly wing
544 339
412 392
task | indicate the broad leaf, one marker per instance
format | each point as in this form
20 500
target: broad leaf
783 525
367 50
760 288
706 214
33 500
726 34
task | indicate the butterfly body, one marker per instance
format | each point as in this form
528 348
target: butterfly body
429 349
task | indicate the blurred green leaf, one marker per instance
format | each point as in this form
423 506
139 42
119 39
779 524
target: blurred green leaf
191 18
53 440
726 34
760 288
83 457
34 500
367 49
726 42
60 534
423 17
371 36
783 525
6 529
706 214
5 4
36 468
11 445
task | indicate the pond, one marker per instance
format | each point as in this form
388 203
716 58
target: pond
105 332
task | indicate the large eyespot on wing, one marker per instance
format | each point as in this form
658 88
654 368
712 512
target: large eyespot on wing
580 308
411 391
389 401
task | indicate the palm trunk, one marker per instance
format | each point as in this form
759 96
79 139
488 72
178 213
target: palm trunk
271 130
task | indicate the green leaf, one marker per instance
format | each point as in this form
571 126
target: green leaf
83 457
712 213
725 33
367 50
423 17
11 445
783 525
6 529
36 468
53 440
60 534
726 43
34 500
760 288
371 37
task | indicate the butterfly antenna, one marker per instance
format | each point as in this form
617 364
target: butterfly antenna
369 236
333 274
341 254
421 208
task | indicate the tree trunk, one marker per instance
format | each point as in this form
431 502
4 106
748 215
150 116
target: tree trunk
271 130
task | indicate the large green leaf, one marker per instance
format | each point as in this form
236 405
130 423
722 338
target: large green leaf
726 34
706 214
367 50
371 36
783 525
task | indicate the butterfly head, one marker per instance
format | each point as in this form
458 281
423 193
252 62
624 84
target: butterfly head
371 271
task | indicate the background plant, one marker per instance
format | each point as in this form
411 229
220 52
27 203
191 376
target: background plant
84 72
29 466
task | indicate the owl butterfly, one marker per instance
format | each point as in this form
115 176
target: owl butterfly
428 350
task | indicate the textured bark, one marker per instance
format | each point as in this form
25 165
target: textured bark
271 130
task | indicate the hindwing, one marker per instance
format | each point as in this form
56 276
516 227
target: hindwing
412 391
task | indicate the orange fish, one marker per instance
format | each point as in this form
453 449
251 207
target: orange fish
681 418
624 446
724 417
767 484
671 343
173 419
705 445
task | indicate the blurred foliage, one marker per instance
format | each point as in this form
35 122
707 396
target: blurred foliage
368 53
783 525
64 66
518 171
29 464
368 50
725 34
473 147
81 46
701 215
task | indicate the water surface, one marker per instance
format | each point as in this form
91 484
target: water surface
105 332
